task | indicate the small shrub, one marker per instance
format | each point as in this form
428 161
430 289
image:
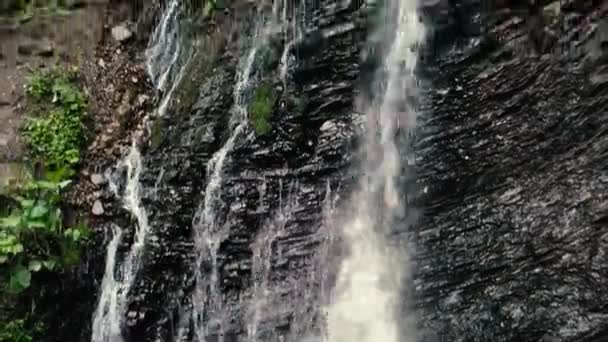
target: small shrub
32 236
57 137
26 9
204 7
261 108
40 85
19 330
15 331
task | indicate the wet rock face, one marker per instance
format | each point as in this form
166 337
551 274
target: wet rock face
511 148
275 180
512 244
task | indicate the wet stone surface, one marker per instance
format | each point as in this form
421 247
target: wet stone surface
511 182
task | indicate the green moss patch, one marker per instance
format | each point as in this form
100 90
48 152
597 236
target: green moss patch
261 108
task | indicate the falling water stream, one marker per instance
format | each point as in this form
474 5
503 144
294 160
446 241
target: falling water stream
367 298
108 317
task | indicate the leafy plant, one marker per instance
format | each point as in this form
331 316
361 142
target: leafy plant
208 9
57 137
32 237
40 85
261 108
20 330
27 8
15 331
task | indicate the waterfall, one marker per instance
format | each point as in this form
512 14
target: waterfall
163 56
209 232
367 298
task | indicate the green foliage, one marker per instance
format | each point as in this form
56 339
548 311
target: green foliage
208 9
40 85
33 238
26 9
15 331
19 330
57 137
261 108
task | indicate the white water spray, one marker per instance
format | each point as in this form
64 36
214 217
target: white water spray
367 295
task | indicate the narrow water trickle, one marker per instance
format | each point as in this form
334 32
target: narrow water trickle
117 281
163 54
367 299
164 46
207 300
105 328
263 250
291 36
328 236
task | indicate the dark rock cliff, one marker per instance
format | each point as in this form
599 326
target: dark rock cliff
512 144
511 179
286 170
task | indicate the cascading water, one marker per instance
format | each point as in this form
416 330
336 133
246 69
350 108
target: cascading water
112 304
118 280
209 232
164 46
366 302
164 53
